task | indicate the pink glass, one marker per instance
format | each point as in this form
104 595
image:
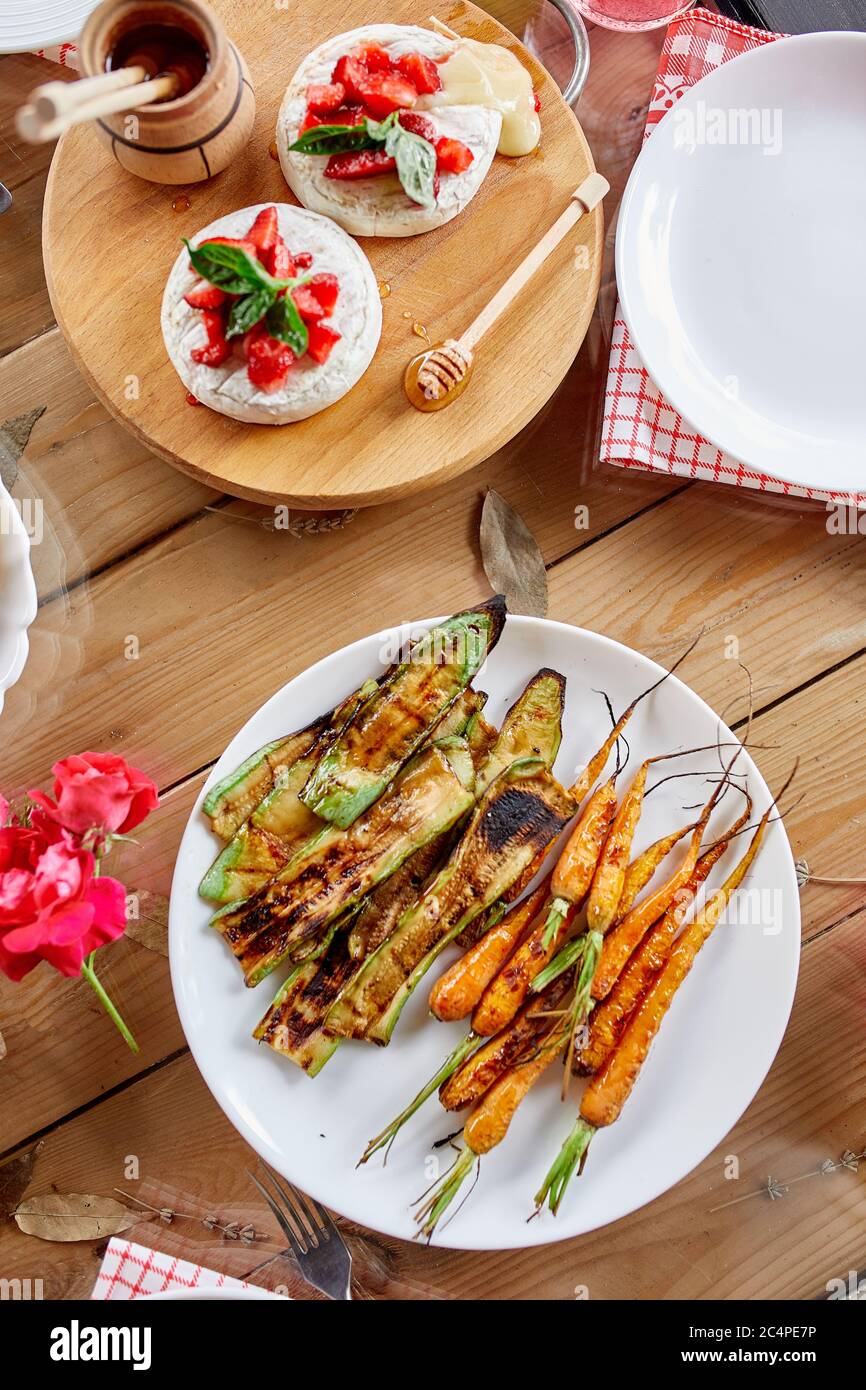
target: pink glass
631 15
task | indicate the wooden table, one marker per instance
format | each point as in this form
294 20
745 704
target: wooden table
151 586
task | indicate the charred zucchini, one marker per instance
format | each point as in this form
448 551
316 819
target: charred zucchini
279 824
532 728
293 1024
233 798
335 869
408 703
523 809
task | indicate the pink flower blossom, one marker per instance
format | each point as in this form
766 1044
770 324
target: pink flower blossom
98 791
51 906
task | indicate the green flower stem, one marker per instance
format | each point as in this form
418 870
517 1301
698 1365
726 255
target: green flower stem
560 1173
90 976
444 1192
449 1066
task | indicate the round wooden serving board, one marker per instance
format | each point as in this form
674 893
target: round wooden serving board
110 240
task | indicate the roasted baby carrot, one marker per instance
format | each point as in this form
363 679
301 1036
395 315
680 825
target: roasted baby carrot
610 1088
641 869
385 1139
606 889
610 1017
488 1124
630 931
458 991
478 1073
576 866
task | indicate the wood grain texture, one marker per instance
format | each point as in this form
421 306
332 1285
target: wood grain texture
371 446
26 307
654 560
84 527
809 1109
155 628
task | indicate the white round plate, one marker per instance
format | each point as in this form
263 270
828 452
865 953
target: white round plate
29 24
712 1055
739 259
17 593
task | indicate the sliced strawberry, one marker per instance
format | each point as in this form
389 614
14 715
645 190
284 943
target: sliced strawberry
279 260
348 115
536 101
264 232
244 243
205 296
325 97
307 304
217 348
452 156
420 71
350 72
374 57
310 120
418 124
384 92
362 164
303 260
321 340
326 288
268 360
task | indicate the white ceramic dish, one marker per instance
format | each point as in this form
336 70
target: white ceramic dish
711 1057
739 259
17 593
26 24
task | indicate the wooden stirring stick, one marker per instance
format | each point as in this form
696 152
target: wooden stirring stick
55 106
437 376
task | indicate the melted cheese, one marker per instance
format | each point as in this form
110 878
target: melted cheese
486 74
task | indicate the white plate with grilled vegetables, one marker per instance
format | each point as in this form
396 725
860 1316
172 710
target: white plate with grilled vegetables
340 862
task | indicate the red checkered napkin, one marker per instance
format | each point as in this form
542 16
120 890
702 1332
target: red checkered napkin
132 1271
641 430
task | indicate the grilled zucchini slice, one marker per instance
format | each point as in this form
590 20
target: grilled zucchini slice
394 722
522 810
281 824
337 868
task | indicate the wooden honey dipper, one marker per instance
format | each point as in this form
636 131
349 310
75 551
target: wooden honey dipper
436 377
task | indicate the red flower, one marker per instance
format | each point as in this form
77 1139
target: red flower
51 906
98 791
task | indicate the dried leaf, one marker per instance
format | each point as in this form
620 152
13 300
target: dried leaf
73 1216
150 927
14 435
512 560
15 1177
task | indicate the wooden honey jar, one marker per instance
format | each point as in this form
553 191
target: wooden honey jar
206 121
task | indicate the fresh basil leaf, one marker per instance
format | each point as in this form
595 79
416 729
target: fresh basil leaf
284 322
334 139
229 267
416 164
378 130
246 312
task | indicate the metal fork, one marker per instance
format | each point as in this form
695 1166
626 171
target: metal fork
322 1255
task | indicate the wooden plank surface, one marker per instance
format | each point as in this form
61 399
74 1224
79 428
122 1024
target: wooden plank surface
165 624
678 1247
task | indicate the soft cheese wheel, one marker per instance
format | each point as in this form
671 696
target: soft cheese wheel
309 386
378 206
